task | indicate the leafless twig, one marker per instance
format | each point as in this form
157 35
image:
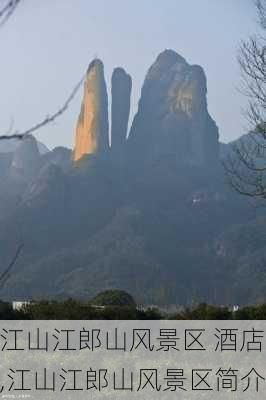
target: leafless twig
48 119
246 166
7 10
6 274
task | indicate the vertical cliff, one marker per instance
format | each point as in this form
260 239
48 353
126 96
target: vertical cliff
92 126
172 120
121 92
172 117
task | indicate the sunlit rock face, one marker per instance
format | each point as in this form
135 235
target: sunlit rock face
172 117
92 126
121 92
172 120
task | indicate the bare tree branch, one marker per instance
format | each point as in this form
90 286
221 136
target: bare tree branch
48 119
7 10
245 167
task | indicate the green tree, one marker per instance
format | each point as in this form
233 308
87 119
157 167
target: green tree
113 298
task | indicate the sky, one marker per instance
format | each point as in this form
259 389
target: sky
47 46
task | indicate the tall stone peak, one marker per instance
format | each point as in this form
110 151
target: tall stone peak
169 55
96 63
92 127
172 117
121 93
165 60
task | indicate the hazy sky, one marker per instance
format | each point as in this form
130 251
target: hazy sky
48 44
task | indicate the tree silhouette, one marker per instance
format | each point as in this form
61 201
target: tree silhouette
246 166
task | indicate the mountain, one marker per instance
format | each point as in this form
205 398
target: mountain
249 141
150 214
20 168
9 146
172 117
92 127
121 93
26 158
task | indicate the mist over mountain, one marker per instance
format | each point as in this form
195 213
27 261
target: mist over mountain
150 214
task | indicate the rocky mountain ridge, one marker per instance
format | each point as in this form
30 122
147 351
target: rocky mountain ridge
172 117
